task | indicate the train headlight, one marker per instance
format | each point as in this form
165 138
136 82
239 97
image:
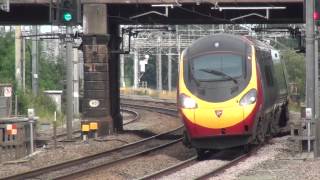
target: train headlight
187 102
249 98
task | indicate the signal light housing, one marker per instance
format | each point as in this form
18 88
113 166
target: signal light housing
69 12
316 12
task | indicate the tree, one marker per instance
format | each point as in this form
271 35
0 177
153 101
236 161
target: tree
295 66
7 58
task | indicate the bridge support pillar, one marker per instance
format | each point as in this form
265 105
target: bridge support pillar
101 97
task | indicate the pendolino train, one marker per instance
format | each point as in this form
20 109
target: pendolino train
232 91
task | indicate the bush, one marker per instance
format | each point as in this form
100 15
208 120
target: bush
44 106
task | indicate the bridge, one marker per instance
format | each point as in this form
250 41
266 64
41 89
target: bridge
169 11
101 35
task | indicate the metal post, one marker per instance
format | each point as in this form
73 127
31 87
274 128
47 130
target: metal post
69 86
16 105
317 124
136 68
310 69
316 82
24 64
122 81
31 135
169 66
178 41
35 62
55 130
159 65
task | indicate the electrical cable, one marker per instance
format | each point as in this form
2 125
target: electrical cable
205 15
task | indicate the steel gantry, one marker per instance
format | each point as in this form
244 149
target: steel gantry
169 40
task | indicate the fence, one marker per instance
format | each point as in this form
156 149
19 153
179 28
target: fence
14 138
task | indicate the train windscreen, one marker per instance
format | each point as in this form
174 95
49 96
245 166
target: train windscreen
218 67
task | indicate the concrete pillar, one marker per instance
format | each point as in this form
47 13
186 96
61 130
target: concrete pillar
96 101
76 84
35 75
18 65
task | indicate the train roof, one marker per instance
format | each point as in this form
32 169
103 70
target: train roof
260 44
230 41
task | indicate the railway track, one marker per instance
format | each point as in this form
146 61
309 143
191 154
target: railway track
172 169
163 110
136 116
82 165
218 158
138 104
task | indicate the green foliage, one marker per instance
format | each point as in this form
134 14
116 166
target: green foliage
52 74
44 106
295 66
7 58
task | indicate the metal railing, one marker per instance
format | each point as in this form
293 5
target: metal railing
15 140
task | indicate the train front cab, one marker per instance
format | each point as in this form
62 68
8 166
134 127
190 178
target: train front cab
225 124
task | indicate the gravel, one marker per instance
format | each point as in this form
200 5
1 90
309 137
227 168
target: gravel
159 123
150 122
286 164
275 160
145 164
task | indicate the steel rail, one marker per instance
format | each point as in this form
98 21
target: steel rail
223 167
228 164
55 167
75 162
167 111
136 116
171 169
147 99
80 173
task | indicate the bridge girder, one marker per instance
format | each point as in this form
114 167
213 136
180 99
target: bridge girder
124 12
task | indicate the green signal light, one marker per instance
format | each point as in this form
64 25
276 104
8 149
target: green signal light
67 16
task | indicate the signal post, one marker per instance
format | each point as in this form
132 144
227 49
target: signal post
68 14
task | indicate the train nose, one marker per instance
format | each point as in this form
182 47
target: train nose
219 118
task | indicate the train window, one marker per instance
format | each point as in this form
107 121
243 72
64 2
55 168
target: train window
269 76
217 67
